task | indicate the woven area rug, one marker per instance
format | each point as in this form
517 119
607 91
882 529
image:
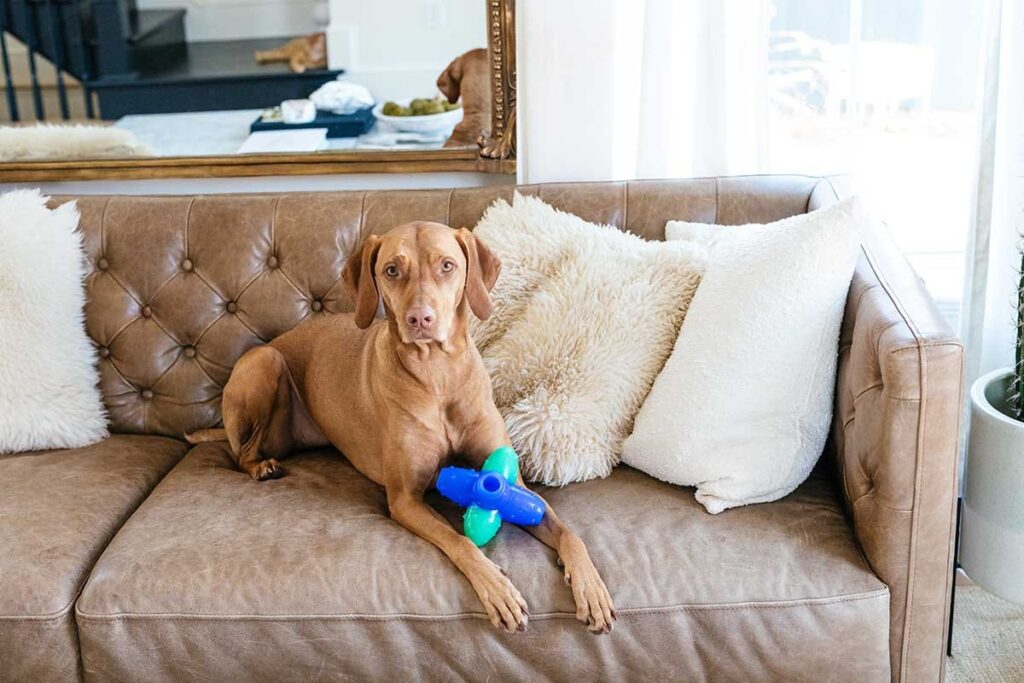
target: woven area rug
988 638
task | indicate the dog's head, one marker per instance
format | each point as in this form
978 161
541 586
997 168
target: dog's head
426 274
469 64
450 80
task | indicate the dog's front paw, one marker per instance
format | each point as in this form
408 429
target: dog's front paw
594 605
266 469
505 606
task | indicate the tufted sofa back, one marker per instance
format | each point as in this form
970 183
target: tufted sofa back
180 287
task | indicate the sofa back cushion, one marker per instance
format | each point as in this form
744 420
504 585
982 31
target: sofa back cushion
180 287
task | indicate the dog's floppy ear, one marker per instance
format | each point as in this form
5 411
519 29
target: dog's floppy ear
482 268
450 80
360 281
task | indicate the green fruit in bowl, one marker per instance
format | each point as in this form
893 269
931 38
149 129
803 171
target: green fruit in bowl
421 106
395 109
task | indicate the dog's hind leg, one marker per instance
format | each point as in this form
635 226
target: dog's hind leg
257 410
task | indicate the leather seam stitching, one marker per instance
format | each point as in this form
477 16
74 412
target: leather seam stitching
866 390
928 345
188 221
111 338
121 285
878 342
42 618
248 327
859 465
296 287
122 376
207 329
863 293
789 604
625 206
879 503
103 229
207 375
213 289
915 515
715 221
362 220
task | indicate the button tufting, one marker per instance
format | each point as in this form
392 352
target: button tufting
104 352
232 307
103 264
147 395
189 351
187 265
147 312
272 262
317 305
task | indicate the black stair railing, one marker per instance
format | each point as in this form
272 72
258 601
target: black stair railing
52 30
12 95
57 37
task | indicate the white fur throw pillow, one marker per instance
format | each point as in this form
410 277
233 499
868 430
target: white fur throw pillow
48 394
75 141
743 406
584 317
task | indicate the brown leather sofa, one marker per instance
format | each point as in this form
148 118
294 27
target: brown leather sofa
141 559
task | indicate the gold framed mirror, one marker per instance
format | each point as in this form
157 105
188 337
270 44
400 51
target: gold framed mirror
493 151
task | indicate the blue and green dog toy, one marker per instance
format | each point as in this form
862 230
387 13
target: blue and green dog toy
491 495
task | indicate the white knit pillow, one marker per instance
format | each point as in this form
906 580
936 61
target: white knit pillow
585 316
48 395
743 406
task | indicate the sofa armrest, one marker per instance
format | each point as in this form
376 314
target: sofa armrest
896 436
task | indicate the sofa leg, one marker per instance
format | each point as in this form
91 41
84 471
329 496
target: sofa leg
956 566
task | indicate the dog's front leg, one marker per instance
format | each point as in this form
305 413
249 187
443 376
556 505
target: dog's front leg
505 606
594 605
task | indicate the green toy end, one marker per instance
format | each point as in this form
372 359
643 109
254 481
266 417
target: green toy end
505 462
480 525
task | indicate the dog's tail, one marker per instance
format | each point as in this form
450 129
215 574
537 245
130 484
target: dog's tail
205 435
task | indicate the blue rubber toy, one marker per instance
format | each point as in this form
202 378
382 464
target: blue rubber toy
491 495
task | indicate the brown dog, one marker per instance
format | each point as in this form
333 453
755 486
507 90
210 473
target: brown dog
398 397
468 76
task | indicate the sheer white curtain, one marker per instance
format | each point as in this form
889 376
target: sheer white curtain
998 213
613 89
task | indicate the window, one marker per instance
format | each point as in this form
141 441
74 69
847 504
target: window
885 90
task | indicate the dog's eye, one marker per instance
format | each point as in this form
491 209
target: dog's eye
447 266
391 270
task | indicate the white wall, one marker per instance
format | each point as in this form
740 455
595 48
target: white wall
238 19
398 48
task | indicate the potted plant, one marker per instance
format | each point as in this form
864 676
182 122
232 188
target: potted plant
992 535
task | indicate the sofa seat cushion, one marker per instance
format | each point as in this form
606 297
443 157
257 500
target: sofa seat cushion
307 577
58 510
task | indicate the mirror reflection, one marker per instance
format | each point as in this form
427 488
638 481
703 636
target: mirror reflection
176 78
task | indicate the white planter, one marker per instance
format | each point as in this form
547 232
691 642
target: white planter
992 532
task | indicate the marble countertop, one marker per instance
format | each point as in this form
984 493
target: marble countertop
220 133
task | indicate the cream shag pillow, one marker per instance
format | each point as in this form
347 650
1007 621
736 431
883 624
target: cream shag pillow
584 317
48 394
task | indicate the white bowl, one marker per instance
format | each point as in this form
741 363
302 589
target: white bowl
428 123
